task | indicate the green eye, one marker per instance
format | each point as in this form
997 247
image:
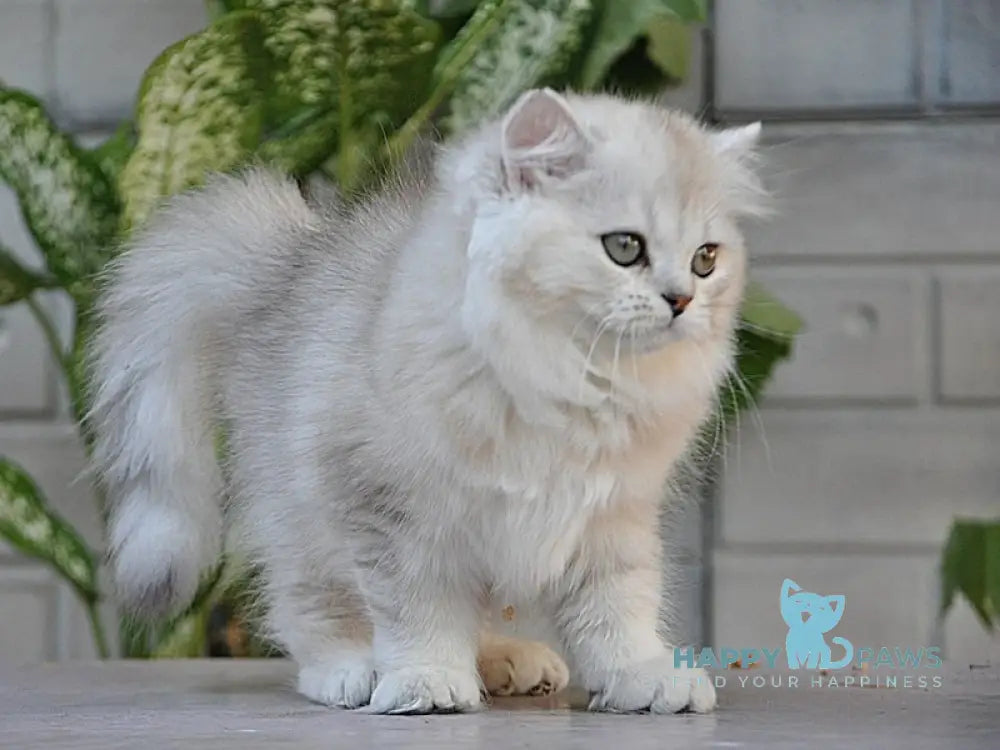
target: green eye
625 248
703 262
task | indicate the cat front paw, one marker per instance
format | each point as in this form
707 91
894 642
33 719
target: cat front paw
656 686
346 681
424 691
509 666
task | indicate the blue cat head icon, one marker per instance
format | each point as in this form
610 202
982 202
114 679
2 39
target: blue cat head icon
804 609
808 617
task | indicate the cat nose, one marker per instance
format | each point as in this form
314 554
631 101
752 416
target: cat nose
678 302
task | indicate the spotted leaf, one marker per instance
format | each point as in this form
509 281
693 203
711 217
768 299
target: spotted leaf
200 110
18 282
69 204
27 523
519 44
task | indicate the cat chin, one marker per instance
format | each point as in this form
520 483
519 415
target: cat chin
654 339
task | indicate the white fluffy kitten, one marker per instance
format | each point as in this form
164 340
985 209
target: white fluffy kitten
471 388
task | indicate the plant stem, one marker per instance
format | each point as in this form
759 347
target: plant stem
50 331
97 628
62 358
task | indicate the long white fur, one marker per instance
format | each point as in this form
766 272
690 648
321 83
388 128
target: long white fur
443 396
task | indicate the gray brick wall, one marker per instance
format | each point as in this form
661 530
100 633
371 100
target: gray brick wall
887 242
886 424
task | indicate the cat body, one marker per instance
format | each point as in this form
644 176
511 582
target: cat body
809 616
445 396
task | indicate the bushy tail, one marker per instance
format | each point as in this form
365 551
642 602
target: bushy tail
155 362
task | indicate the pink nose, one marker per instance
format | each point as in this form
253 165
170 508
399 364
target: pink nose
678 302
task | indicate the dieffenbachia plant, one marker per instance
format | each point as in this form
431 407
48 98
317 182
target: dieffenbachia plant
341 87
970 566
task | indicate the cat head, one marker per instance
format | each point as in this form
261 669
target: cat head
610 222
803 609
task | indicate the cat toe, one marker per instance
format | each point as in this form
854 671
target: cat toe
513 667
345 682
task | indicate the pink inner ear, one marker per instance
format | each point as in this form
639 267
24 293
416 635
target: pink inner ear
537 119
541 137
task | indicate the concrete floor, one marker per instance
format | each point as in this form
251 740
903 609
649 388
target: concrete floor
249 705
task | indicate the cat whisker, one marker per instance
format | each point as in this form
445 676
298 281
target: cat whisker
614 363
635 364
754 410
584 318
720 417
590 353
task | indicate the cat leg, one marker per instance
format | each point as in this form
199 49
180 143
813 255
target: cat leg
607 610
813 659
427 615
327 632
510 666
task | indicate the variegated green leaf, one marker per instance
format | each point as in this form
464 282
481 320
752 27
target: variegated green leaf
445 8
620 24
367 56
362 65
200 110
113 154
28 524
531 43
303 142
69 204
186 638
16 281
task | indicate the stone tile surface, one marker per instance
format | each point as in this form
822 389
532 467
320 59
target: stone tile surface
249 705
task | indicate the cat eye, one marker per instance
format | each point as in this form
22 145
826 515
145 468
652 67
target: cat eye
703 262
625 248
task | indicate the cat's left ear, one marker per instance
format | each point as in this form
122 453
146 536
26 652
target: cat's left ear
836 602
736 149
541 139
737 143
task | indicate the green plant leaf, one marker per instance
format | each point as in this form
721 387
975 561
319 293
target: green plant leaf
445 8
183 635
518 44
69 204
186 638
16 281
970 566
113 154
765 336
200 110
302 143
669 46
33 528
621 24
767 315
360 54
345 73
756 358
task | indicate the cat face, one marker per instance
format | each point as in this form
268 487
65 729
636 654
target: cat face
616 221
803 609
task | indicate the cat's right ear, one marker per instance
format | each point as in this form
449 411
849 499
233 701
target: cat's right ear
788 586
541 139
